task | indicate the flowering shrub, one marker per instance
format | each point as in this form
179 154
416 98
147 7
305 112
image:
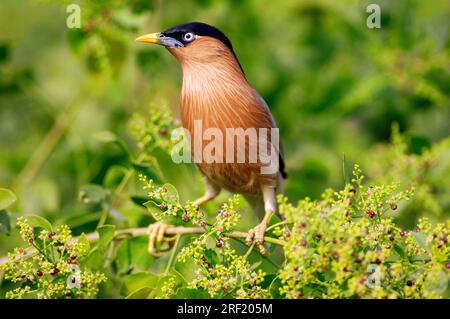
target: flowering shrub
50 265
347 244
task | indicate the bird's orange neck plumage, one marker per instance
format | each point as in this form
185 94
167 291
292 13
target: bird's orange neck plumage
215 89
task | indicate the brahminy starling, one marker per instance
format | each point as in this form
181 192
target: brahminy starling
216 92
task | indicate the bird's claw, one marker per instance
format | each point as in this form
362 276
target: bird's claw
256 235
156 234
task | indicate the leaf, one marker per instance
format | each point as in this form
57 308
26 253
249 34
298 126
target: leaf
5 222
39 221
399 250
268 279
92 193
110 137
114 176
139 200
141 293
138 281
274 288
84 241
7 198
106 234
132 254
212 257
189 293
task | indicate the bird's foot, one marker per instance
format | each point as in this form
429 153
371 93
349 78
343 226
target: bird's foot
156 234
256 235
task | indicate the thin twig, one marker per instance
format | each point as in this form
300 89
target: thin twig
135 232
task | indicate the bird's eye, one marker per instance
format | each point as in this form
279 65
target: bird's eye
188 37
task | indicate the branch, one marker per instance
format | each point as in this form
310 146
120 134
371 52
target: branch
135 232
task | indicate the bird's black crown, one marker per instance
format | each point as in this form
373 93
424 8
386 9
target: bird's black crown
201 29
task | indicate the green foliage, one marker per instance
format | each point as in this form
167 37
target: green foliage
73 100
51 265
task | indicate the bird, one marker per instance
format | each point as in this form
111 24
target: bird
216 91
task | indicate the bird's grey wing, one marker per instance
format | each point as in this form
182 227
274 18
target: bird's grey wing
280 151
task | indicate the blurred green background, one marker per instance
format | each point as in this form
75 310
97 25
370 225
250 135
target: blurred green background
334 86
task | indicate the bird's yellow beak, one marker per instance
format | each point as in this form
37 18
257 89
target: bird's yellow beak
160 38
150 38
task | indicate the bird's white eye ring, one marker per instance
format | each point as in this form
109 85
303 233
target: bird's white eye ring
188 37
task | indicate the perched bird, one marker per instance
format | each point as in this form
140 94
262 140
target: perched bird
216 92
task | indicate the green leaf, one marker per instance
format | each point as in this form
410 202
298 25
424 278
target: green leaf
92 193
84 241
189 293
139 200
141 293
132 255
110 137
114 176
274 288
106 234
7 198
39 221
134 282
5 222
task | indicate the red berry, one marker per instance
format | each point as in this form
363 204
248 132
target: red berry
21 250
287 235
447 265
301 294
377 261
353 191
203 259
219 243
39 273
162 206
334 241
226 215
185 218
350 202
402 233
391 238
318 236
30 241
296 268
409 283
304 243
54 271
73 257
51 235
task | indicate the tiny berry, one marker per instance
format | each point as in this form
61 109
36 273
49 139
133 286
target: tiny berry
39 273
174 197
30 241
226 215
68 294
73 257
21 250
409 283
287 235
304 243
203 259
162 206
391 238
318 236
393 206
51 235
185 218
447 265
350 202
219 244
301 294
164 190
334 241
296 268
377 261
203 224
402 233
353 191
54 271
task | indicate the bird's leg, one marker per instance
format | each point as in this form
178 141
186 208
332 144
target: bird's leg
211 191
256 234
157 230
156 233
